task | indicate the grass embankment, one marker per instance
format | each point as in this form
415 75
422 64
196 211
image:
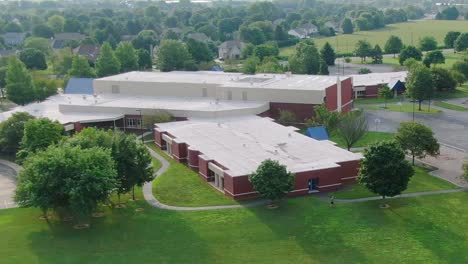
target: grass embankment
369 138
429 229
180 186
450 106
407 108
420 182
409 32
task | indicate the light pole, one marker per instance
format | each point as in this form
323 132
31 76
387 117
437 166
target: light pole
141 125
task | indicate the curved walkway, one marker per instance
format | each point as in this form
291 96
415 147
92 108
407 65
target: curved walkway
8 173
149 197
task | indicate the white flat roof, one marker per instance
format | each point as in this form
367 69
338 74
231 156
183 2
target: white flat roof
235 80
242 143
378 78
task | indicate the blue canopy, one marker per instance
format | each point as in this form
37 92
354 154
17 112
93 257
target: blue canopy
318 133
80 86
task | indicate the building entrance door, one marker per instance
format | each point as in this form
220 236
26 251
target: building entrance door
313 185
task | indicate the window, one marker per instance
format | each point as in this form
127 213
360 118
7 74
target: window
115 89
244 96
204 92
361 93
133 122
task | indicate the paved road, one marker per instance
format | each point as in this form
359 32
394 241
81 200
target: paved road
7 186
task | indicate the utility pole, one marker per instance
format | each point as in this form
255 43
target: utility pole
141 125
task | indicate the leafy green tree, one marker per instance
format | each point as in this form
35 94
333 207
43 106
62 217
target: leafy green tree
419 83
417 140
465 167
272 180
248 50
146 39
328 54
427 43
450 38
323 68
38 135
172 55
462 67
250 65
363 49
13 27
33 59
328 119
443 80
458 77
393 45
67 177
461 43
199 51
56 22
287 117
280 33
266 50
269 65
306 59
127 56
450 13
144 59
433 57
351 127
410 52
62 62
386 94
364 71
252 35
377 56
43 31
347 26
44 87
11 131
107 63
384 170
19 83
41 44
157 116
80 68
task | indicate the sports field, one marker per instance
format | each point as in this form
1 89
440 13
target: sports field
409 32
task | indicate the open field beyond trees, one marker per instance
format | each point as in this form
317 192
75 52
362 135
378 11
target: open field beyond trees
409 32
369 138
451 106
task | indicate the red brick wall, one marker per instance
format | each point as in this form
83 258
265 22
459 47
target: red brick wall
158 138
302 111
193 159
372 91
346 95
203 170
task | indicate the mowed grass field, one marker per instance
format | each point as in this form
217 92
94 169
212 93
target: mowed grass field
409 32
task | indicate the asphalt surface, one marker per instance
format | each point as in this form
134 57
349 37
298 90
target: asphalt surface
7 186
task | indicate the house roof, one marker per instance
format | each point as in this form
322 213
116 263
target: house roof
240 144
378 78
198 37
14 37
5 52
69 36
88 50
80 86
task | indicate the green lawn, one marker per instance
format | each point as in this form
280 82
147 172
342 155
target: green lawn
409 32
421 181
368 138
450 59
180 186
430 229
365 101
460 92
451 106
404 108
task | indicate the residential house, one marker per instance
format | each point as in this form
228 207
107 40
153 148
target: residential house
14 38
304 31
62 39
231 49
90 51
335 26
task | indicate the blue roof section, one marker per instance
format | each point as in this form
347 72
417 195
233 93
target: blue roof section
80 86
318 133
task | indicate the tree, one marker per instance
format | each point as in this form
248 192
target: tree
272 180
248 50
347 26
328 54
433 57
450 13
172 55
363 49
393 45
67 177
33 59
62 62
107 63
417 140
377 56
56 22
328 119
80 68
199 51
461 43
41 44
384 170
43 31
38 135
352 127
127 56
253 35
462 67
280 33
443 80
19 83
385 93
306 59
427 43
419 83
269 65
11 131
458 77
266 50
157 116
364 71
323 68
250 65
146 39
450 38
144 59
465 167
287 117
44 87
410 52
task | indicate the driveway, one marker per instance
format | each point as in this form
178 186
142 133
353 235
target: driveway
7 186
